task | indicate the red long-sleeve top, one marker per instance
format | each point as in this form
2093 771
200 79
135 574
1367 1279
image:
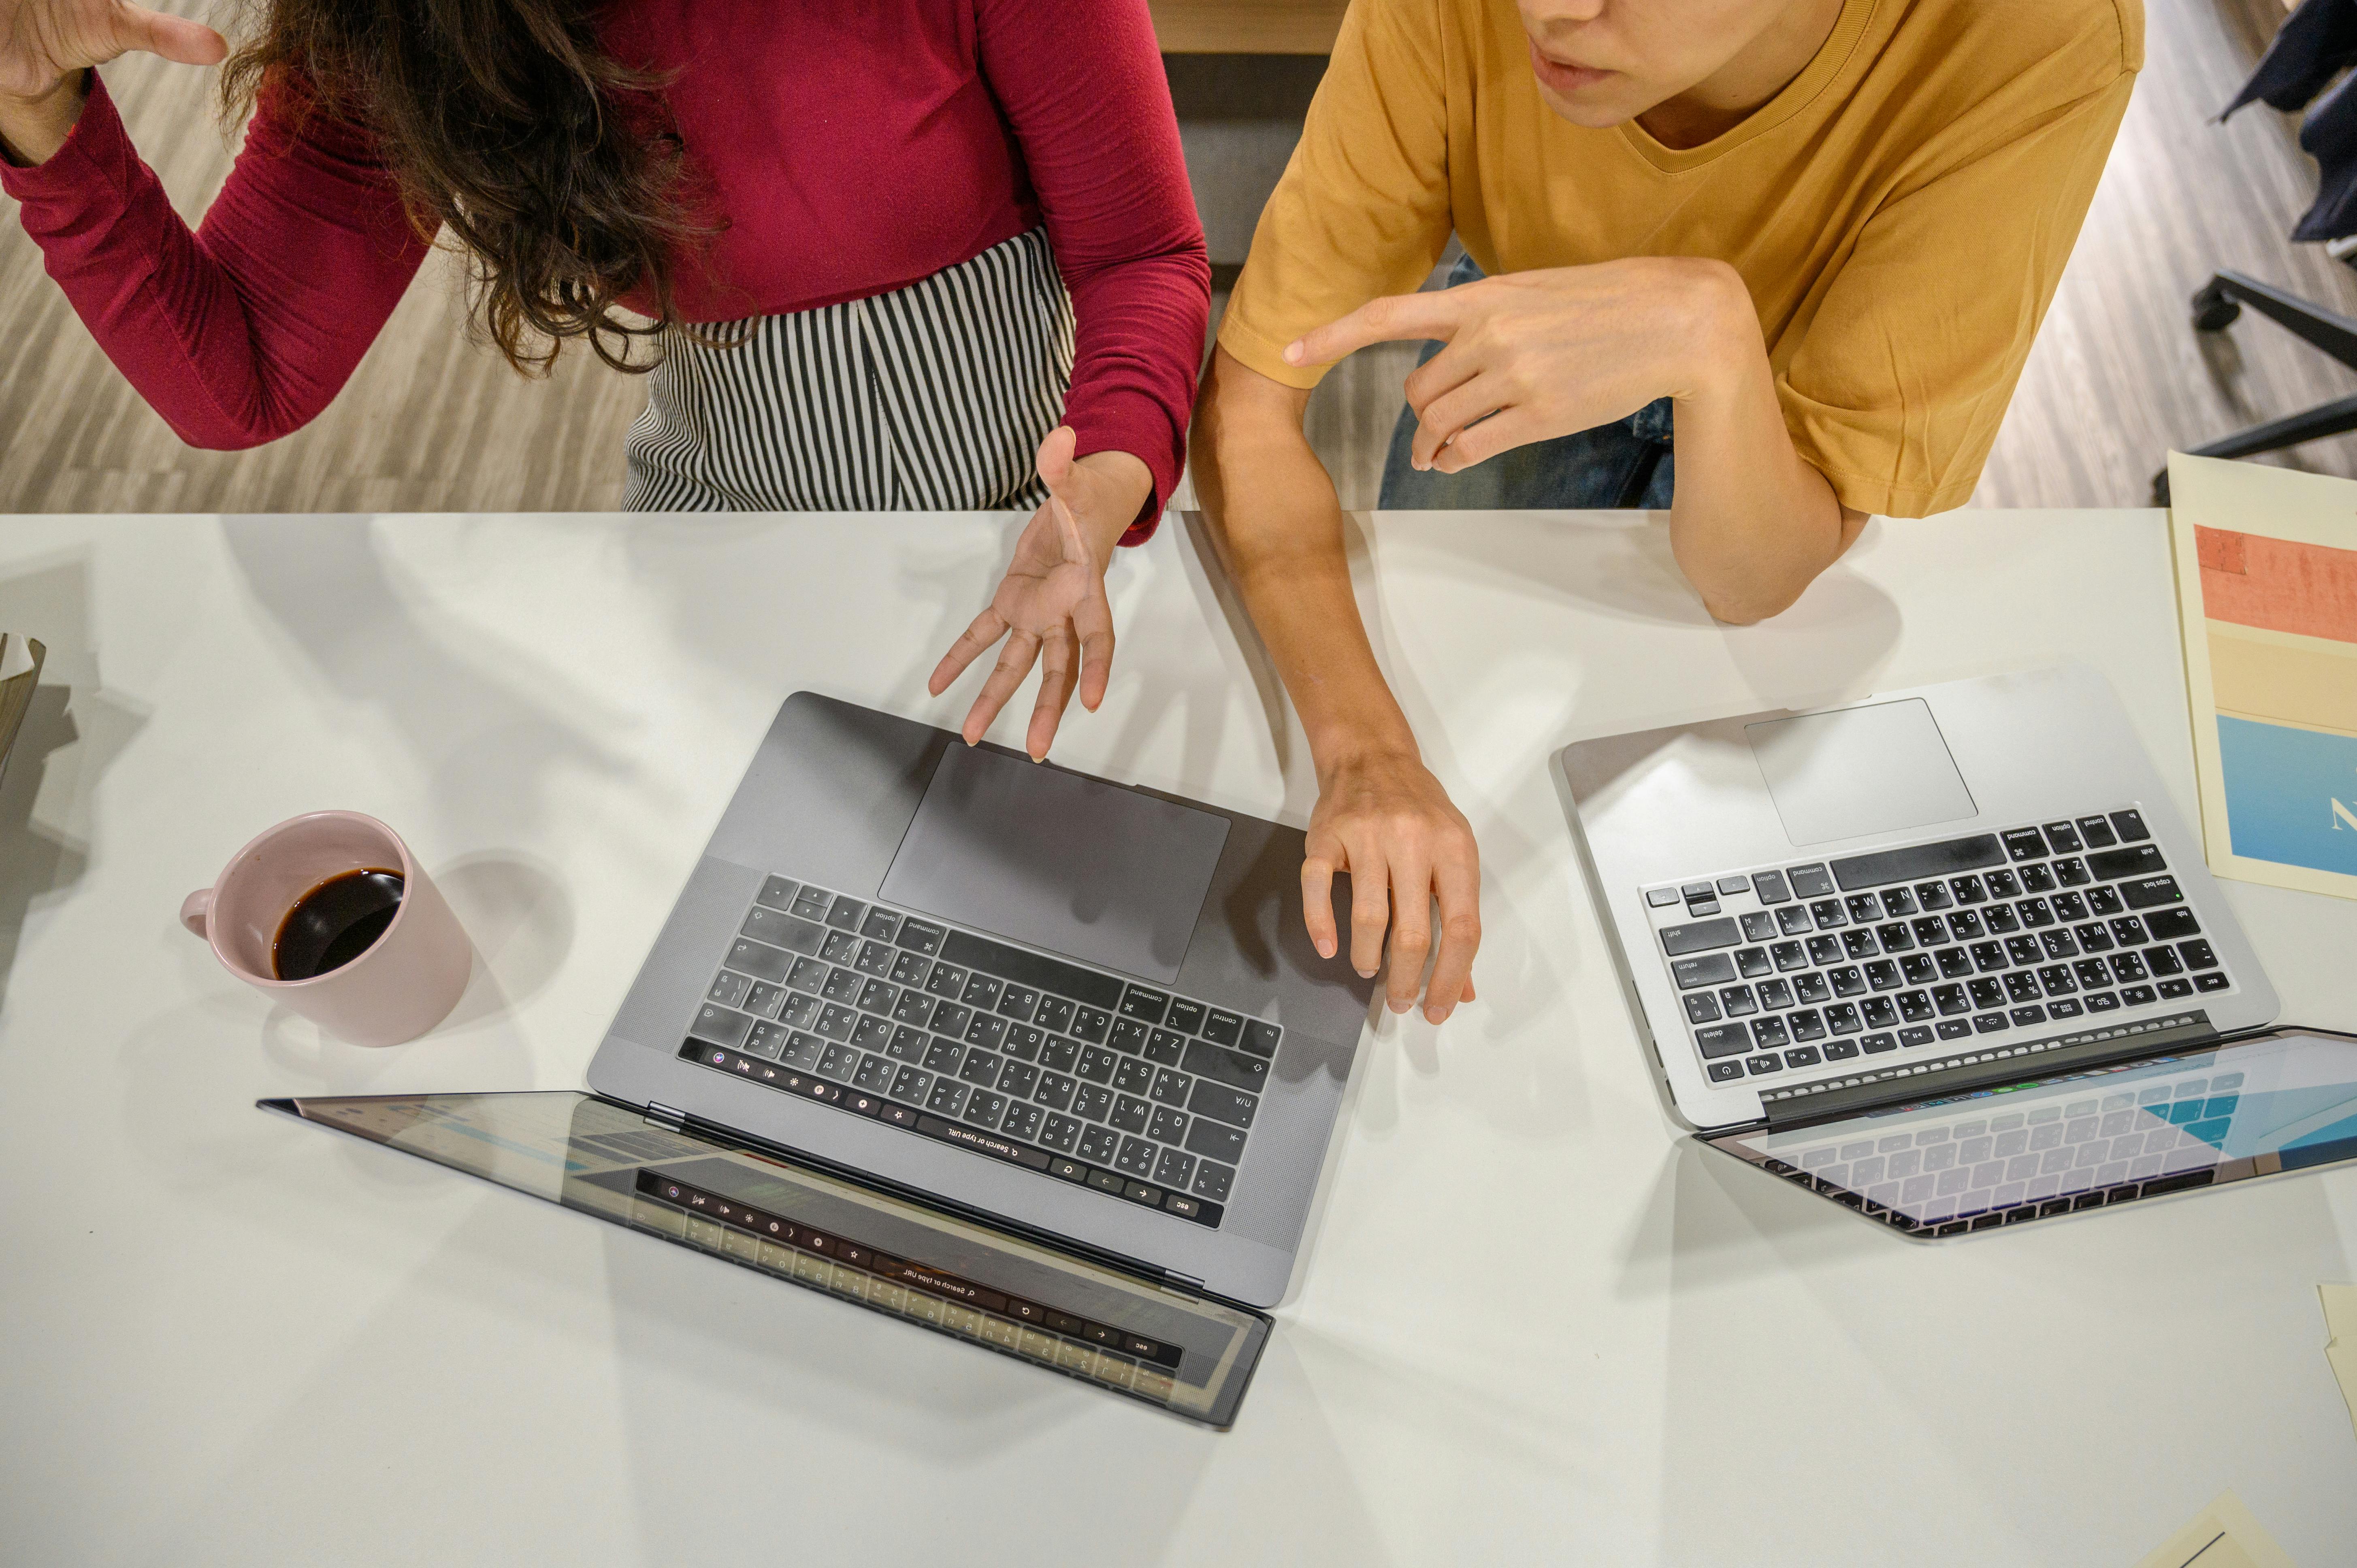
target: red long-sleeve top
849 150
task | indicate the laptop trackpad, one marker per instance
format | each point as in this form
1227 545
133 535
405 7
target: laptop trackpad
1071 865
1860 772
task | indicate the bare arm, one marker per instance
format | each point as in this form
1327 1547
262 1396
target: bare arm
1380 815
1750 522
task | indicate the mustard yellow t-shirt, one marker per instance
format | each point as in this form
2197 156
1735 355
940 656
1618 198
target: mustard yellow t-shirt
1900 211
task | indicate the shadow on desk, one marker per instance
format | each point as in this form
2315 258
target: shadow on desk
71 734
1619 565
735 1368
36 865
1706 1226
467 705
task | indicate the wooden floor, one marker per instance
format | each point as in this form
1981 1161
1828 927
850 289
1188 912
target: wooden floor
433 422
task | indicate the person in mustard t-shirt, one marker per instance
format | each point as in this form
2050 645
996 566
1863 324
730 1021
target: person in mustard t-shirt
1771 264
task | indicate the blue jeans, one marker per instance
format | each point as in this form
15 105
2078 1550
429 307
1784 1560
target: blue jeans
1624 464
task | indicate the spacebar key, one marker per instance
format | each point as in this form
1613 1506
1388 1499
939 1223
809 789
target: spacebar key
1857 871
981 1143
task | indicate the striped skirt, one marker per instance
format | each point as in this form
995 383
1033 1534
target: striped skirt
932 398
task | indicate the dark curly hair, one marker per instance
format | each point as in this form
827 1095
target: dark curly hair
505 121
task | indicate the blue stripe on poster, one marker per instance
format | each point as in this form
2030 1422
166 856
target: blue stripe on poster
2291 794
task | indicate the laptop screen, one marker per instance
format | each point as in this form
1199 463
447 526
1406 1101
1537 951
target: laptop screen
1185 1353
2280 1102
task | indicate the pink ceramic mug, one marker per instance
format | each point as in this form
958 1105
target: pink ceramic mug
402 984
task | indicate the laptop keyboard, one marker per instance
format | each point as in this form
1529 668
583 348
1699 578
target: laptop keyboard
1959 943
1142 1095
1978 1171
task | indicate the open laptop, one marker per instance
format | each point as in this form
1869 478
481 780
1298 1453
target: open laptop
1837 925
1001 1037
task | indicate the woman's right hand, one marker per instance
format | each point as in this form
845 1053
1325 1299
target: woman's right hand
45 45
1383 817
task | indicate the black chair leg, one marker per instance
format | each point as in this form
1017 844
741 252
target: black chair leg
2216 306
2218 302
2337 418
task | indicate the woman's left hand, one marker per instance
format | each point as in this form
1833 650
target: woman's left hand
1050 607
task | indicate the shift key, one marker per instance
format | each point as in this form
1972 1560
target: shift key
1711 969
1221 1104
1232 1068
1214 1141
2111 864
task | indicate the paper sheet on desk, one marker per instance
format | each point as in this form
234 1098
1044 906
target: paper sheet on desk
2267 589
2223 1535
2341 1348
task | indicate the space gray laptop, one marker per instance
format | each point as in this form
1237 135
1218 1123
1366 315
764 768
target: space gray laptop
1903 905
1088 1011
1023 1056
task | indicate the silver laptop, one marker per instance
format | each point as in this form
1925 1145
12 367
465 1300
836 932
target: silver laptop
1907 904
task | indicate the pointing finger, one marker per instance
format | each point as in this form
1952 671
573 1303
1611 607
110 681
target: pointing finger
1398 316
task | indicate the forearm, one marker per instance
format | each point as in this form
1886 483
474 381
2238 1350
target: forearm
1277 526
1751 523
33 129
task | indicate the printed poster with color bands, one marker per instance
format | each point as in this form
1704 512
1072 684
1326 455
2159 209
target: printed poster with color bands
2266 585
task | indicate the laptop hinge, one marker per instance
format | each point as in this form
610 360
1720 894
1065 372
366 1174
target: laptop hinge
663 1115
1172 1276
1979 1069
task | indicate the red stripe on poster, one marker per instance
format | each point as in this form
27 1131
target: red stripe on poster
2249 579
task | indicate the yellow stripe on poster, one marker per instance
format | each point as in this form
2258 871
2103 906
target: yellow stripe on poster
2280 677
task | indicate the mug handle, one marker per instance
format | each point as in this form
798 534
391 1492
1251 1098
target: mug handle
196 913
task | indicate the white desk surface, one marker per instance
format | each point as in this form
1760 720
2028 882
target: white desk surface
1537 1327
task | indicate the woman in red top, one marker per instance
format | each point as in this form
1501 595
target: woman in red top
892 253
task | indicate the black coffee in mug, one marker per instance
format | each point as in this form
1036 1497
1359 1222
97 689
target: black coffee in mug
334 923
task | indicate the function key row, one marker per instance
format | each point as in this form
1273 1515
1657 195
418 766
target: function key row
1976 852
1998 902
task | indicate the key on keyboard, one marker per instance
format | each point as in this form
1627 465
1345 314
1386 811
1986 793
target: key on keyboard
1981 940
954 1035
